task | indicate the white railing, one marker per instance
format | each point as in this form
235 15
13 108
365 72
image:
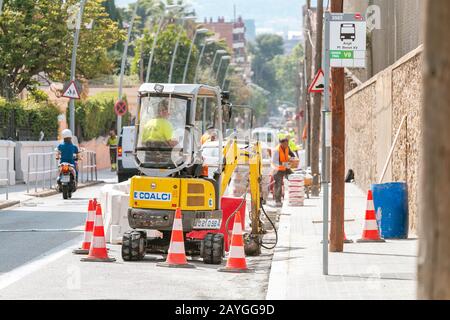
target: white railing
88 166
7 180
45 169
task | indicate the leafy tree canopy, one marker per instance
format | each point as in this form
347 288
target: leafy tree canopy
163 55
36 37
265 49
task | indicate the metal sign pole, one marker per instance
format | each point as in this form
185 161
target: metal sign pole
74 63
325 112
122 67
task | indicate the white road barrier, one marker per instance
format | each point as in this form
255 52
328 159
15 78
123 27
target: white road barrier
115 201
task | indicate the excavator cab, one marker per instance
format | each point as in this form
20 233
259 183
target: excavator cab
170 123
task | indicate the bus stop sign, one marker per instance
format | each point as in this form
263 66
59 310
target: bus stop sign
347 40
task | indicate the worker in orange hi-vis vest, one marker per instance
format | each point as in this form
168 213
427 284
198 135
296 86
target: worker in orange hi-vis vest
281 157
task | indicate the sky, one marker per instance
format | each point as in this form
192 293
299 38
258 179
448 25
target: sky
269 15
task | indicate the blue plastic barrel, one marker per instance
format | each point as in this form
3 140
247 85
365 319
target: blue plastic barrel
391 203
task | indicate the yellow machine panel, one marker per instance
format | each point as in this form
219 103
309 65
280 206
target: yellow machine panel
154 193
197 194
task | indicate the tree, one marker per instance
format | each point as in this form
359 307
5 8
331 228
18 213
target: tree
163 55
434 245
265 49
37 38
286 74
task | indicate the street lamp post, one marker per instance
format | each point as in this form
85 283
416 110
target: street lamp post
123 65
226 73
155 40
197 31
220 65
200 59
214 61
74 63
177 44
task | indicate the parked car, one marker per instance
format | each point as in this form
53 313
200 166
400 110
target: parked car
126 167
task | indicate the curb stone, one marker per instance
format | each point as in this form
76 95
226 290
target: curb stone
49 193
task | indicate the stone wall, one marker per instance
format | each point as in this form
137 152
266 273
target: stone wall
407 101
374 112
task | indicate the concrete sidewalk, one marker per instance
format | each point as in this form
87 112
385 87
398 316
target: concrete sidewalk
375 271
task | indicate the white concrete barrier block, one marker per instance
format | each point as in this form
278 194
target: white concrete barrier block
114 200
7 152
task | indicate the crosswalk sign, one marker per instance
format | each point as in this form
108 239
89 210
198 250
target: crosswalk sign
71 91
318 84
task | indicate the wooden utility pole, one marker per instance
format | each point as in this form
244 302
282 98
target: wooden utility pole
308 77
434 245
337 151
317 103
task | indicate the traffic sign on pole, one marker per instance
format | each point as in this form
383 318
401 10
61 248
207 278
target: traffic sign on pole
120 108
318 84
71 91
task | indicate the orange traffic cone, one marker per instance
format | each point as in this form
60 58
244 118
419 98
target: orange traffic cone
98 251
176 257
370 232
236 260
346 240
88 229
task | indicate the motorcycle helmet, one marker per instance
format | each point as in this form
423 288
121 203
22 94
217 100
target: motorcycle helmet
66 134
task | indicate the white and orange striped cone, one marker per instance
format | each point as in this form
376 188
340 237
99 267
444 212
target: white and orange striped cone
88 229
346 240
98 251
370 232
236 260
176 257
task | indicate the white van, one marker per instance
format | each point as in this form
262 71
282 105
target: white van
267 136
126 166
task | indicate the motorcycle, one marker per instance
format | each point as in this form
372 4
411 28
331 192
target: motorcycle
67 180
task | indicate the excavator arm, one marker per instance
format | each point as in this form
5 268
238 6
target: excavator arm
252 157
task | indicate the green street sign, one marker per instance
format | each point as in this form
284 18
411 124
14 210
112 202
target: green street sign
341 54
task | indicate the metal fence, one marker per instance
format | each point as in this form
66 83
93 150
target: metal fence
7 180
88 166
43 168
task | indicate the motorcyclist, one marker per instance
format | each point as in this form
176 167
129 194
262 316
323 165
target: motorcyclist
67 150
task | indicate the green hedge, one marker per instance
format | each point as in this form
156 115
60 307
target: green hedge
25 119
96 117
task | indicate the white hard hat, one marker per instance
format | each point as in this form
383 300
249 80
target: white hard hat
66 134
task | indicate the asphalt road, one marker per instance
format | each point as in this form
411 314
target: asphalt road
36 262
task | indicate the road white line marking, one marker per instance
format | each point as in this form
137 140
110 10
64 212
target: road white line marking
19 273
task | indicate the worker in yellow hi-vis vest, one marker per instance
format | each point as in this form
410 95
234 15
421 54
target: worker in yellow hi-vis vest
159 131
113 142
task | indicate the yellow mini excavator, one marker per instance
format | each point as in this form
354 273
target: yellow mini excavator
170 122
